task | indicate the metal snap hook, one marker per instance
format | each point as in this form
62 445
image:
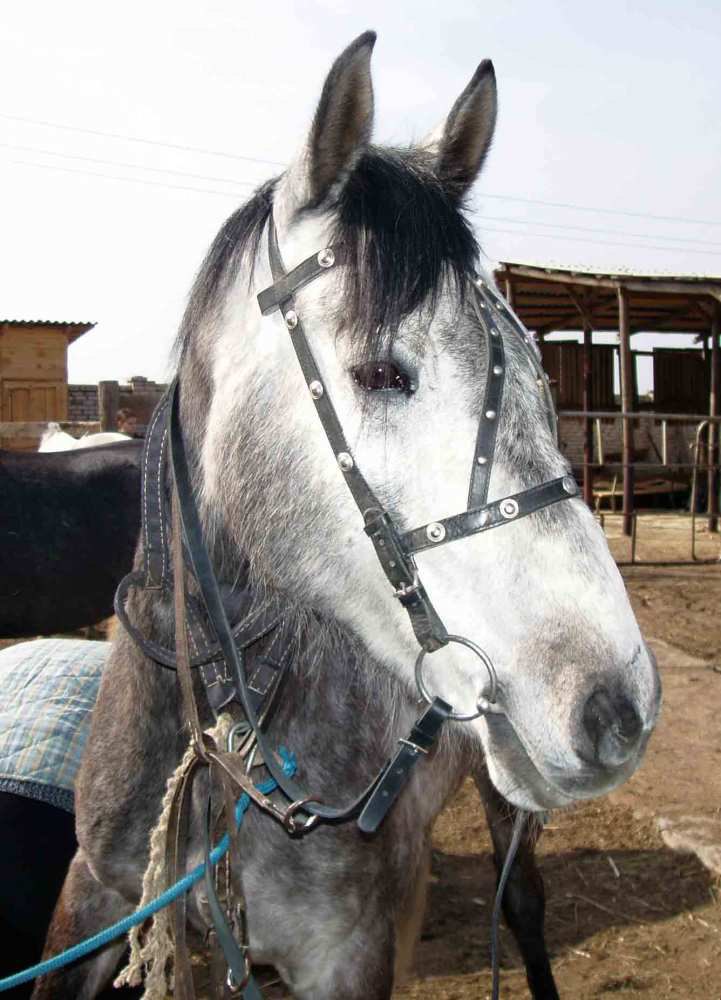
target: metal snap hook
484 704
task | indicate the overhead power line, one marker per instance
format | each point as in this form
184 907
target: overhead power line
277 163
565 227
130 166
602 243
128 180
145 142
601 211
602 232
484 229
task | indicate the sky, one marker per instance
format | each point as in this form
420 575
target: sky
609 108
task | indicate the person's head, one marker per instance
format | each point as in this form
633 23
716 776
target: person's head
126 421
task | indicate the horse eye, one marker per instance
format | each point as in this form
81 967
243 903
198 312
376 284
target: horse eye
377 376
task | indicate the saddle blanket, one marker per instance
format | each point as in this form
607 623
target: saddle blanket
47 691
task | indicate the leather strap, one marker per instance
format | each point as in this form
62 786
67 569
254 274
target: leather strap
491 412
182 652
156 563
399 568
176 853
493 515
286 284
361 491
396 775
246 633
235 958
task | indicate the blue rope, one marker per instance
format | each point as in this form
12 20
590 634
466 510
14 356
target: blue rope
122 927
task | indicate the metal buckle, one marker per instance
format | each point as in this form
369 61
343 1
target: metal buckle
413 746
235 988
484 705
238 729
408 589
291 824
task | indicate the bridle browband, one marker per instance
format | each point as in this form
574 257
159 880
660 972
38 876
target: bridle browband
396 549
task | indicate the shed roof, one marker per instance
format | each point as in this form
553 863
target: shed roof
561 297
70 328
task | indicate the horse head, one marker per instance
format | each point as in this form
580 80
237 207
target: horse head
395 333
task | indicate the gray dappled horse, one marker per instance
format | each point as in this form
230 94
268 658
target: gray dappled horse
404 363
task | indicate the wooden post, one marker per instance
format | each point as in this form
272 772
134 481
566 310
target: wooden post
627 406
587 406
510 294
108 405
712 508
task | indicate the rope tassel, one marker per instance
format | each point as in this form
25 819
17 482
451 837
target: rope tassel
151 944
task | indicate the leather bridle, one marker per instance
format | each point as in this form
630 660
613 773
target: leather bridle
205 640
394 548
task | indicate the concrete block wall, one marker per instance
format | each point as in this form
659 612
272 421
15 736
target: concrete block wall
82 402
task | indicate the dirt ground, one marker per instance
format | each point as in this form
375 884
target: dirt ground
627 915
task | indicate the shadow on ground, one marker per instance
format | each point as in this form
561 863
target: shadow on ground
584 896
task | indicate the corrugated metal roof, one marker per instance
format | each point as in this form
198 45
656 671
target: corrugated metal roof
594 271
74 328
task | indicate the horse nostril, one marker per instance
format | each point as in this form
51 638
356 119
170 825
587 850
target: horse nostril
613 727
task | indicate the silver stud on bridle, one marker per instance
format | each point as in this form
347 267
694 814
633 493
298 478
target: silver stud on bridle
291 319
316 389
570 486
345 461
509 508
435 532
490 414
326 258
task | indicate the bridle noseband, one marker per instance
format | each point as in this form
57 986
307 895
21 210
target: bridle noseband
396 549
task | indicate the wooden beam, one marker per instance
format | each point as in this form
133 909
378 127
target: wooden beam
108 405
613 282
627 406
712 507
582 311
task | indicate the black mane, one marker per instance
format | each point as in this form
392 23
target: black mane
404 233
405 236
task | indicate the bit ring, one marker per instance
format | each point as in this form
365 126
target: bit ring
484 705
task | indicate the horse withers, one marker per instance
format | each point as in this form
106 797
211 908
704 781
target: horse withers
567 690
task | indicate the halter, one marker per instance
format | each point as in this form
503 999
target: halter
396 549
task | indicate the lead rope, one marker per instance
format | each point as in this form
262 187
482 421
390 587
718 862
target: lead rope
518 825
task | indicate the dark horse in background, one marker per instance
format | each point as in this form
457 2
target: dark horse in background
69 524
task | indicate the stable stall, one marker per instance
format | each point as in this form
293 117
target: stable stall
659 443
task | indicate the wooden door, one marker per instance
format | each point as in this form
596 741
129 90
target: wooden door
31 402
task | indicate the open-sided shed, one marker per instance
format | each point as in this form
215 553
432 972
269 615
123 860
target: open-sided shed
686 382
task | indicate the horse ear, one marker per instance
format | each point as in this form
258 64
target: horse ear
461 143
341 129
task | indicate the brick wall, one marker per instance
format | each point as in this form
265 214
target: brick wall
82 402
